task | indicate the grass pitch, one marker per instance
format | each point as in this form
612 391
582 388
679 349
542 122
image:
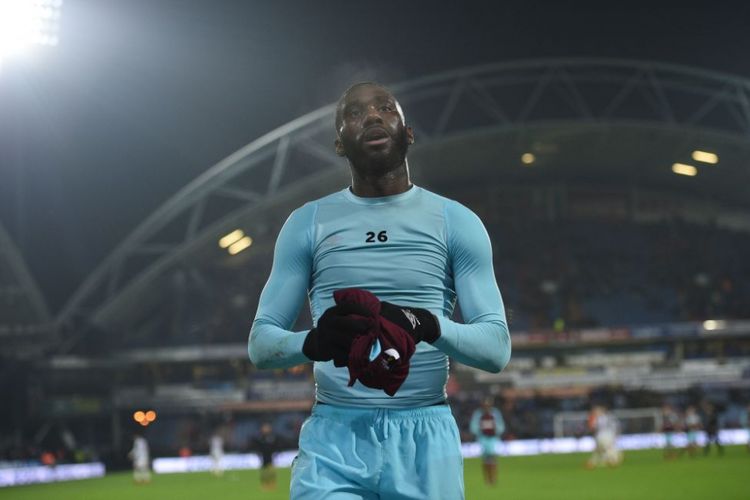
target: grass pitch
643 475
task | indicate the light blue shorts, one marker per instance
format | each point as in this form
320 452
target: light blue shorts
488 448
692 438
669 439
389 454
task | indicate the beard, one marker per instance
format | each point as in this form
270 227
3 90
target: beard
378 162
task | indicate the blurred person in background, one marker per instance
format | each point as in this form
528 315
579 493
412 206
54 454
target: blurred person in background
266 444
692 427
606 428
487 425
745 423
48 458
711 425
139 455
671 424
216 447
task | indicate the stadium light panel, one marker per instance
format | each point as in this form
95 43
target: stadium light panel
151 415
714 324
227 240
139 416
705 157
240 245
528 158
684 169
27 22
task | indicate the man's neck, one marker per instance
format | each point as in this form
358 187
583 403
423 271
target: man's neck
392 182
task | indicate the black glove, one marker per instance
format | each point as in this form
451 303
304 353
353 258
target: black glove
421 324
332 338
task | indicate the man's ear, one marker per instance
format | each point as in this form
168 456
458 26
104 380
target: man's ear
409 135
339 147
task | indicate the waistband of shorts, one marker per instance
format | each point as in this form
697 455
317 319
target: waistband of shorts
348 412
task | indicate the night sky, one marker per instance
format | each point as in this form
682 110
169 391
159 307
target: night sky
140 97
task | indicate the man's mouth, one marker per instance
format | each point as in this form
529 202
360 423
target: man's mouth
375 137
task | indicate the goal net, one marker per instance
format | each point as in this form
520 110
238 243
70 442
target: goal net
632 421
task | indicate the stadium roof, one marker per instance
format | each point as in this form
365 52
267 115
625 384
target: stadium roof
581 119
25 321
21 303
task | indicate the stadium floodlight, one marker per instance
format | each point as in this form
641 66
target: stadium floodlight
684 169
240 245
528 158
24 23
227 240
705 157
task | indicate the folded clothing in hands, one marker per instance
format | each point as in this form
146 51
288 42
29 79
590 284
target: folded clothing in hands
388 369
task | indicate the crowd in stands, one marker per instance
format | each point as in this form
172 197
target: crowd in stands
591 273
553 275
56 447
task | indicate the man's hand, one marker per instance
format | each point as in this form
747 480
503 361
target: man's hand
421 324
332 338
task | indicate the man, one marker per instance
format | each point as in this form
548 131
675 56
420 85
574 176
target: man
670 426
606 429
419 252
693 427
487 425
266 444
216 450
140 457
745 423
711 425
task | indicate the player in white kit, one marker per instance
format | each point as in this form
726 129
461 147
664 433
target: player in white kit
216 446
693 426
606 430
141 462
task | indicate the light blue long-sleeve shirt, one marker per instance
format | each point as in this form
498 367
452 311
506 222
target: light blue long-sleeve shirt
415 249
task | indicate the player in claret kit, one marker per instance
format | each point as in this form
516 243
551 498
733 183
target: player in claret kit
671 424
382 263
487 425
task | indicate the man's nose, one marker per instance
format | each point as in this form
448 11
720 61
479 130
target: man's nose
373 115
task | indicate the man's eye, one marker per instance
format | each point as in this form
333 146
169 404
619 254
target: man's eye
386 108
354 112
